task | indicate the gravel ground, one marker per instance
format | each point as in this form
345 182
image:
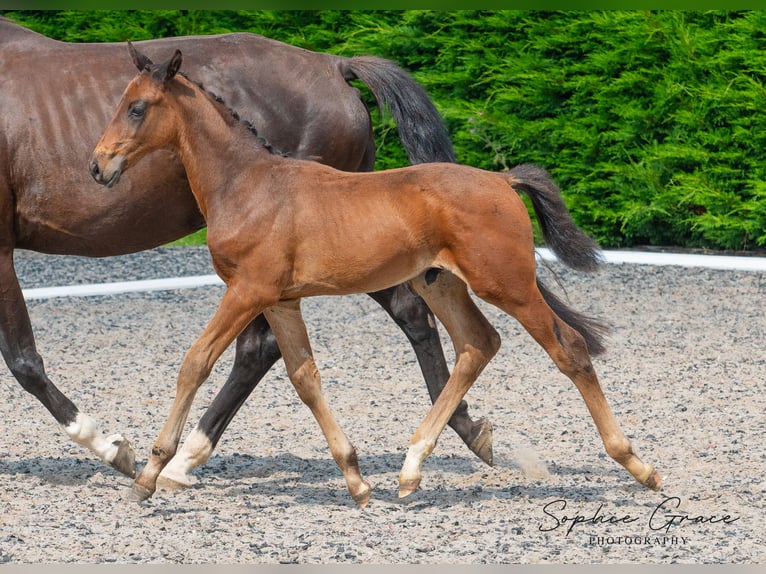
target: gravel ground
684 374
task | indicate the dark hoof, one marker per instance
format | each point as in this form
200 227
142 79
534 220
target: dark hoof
167 483
654 481
408 487
125 459
140 493
481 440
362 498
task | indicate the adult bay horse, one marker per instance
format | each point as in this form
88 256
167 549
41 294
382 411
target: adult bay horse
280 229
55 100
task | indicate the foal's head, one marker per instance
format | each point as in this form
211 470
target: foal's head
141 123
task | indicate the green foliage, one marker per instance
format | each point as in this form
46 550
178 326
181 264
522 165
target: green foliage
653 123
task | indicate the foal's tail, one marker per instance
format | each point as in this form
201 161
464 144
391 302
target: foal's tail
421 128
592 330
567 241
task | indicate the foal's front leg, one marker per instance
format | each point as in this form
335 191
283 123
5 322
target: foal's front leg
233 314
256 352
290 330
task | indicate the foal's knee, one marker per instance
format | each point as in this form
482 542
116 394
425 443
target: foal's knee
195 369
478 351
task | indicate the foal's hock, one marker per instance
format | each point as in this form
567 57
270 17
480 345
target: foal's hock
281 229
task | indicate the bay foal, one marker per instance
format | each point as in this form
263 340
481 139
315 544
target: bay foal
281 229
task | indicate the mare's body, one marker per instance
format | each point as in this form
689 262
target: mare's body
54 102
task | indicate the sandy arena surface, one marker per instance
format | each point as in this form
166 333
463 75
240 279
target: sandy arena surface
685 375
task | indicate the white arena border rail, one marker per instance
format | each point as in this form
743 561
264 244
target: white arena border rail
730 262
733 263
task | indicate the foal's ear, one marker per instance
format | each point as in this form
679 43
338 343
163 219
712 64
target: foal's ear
170 68
141 62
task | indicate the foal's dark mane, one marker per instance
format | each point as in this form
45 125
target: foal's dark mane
250 127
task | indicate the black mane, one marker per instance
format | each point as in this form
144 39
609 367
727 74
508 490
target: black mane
251 128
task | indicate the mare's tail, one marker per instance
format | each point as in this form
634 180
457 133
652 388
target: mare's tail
572 246
567 241
421 128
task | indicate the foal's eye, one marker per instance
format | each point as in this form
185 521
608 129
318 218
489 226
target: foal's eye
136 111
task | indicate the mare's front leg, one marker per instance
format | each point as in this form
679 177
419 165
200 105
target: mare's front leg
231 317
290 330
414 318
17 344
256 352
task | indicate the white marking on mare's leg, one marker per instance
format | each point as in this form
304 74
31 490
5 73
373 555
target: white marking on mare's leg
85 431
195 451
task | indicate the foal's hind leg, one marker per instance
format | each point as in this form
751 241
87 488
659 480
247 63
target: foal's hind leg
475 343
569 351
288 327
414 318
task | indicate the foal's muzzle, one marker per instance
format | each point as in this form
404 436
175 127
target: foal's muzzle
109 173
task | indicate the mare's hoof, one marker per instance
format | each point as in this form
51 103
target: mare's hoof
140 493
407 487
481 445
168 483
654 481
172 478
125 459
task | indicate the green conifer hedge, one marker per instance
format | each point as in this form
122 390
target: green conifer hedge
653 123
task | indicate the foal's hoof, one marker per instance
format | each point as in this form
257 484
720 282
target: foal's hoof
125 459
654 481
363 497
407 487
481 445
140 493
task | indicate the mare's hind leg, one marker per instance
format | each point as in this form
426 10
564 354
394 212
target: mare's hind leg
414 318
475 343
569 351
289 329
